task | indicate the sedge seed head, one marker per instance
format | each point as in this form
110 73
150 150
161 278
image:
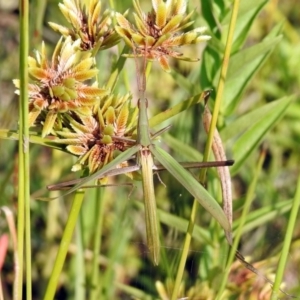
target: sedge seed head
58 85
96 138
158 34
88 24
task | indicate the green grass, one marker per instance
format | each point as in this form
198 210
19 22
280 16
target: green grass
108 256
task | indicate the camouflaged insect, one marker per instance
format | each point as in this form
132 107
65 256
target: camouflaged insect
58 85
88 24
158 34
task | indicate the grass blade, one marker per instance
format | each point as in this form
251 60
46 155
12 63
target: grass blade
287 242
64 245
119 159
256 131
192 185
249 199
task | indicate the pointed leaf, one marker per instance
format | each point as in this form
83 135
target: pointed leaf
125 35
122 120
49 123
61 29
248 11
162 39
256 130
161 15
251 59
192 185
33 116
171 112
110 116
172 24
138 39
77 150
85 75
38 73
112 164
123 22
92 91
179 7
163 61
140 25
85 64
137 7
207 13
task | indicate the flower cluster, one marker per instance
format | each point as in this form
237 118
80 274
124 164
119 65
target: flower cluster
98 138
58 85
158 34
88 24
94 124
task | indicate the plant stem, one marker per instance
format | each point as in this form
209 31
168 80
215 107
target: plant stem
184 254
99 215
208 145
287 242
24 160
80 286
248 201
64 245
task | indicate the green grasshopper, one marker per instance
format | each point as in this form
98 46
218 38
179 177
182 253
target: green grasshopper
145 150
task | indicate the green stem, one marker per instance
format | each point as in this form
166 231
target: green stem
248 201
64 245
220 88
24 160
99 215
185 250
287 242
80 286
208 145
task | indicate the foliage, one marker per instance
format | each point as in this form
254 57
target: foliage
75 106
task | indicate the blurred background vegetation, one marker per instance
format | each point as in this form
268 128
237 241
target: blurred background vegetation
126 271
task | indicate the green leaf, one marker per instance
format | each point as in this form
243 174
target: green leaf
255 125
248 11
262 216
240 125
14 136
112 164
251 59
171 112
192 185
207 13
